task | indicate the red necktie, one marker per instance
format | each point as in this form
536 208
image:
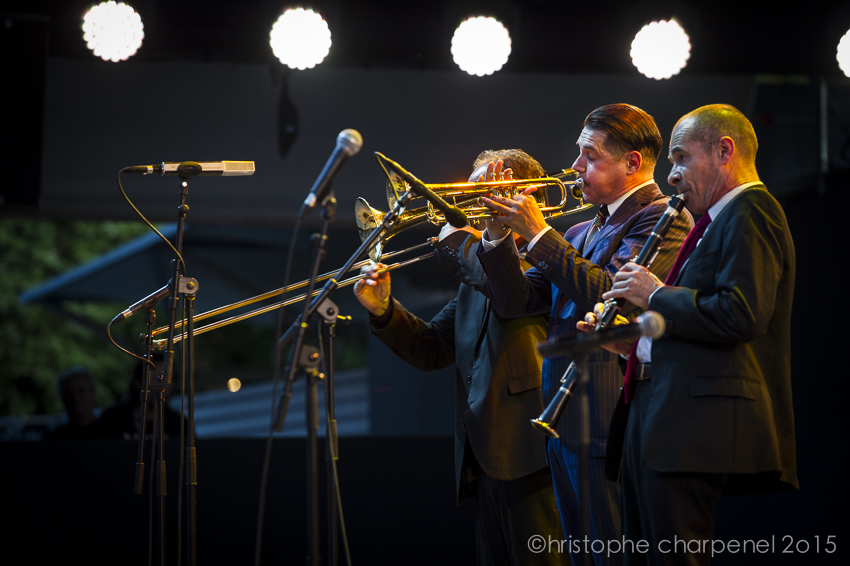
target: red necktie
688 247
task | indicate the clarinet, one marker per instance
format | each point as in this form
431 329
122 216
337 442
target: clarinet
548 420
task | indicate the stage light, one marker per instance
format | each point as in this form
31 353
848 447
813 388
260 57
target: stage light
300 39
113 31
233 384
481 46
661 49
843 54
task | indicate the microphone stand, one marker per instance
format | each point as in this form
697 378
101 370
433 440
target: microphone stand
188 287
580 361
329 313
298 330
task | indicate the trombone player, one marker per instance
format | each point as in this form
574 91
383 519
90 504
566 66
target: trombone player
618 149
500 461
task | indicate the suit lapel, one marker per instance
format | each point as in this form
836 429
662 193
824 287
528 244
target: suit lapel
630 206
696 251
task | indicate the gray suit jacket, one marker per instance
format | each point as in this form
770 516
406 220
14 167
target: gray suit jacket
497 382
567 284
721 375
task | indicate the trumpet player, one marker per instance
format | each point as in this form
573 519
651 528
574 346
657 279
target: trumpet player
618 149
500 461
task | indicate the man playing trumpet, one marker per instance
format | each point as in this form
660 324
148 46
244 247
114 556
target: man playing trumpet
618 149
499 459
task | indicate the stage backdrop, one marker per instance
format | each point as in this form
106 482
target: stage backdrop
100 117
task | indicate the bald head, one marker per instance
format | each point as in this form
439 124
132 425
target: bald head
708 124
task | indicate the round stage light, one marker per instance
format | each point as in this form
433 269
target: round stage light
113 31
300 38
843 55
661 49
233 384
481 46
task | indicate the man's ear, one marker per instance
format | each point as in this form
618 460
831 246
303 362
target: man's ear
727 149
634 161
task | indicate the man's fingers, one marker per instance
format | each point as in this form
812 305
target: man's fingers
495 205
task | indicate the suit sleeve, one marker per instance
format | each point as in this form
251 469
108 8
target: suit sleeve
457 254
557 262
737 300
427 346
515 293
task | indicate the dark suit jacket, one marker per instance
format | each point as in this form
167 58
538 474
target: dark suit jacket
567 284
721 375
497 380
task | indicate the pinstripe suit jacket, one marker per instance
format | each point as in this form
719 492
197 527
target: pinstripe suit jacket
721 374
567 284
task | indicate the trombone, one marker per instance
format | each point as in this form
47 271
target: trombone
466 196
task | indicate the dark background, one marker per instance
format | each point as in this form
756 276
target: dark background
205 86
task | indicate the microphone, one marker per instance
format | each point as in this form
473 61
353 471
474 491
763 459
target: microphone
454 215
207 168
145 303
650 324
348 143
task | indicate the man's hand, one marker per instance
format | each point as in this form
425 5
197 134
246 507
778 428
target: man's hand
590 321
496 172
373 291
635 284
520 212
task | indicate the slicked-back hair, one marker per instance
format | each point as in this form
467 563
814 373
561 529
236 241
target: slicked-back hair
629 129
712 122
523 165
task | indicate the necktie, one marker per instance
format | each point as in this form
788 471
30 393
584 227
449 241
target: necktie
598 222
688 247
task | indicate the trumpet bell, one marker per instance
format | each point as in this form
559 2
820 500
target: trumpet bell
368 219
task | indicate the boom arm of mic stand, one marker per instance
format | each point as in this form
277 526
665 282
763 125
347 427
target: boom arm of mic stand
299 327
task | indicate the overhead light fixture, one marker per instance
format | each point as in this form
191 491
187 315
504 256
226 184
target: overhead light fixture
480 46
113 31
843 55
661 49
300 38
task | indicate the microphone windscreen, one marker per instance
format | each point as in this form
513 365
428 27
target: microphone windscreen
350 140
651 324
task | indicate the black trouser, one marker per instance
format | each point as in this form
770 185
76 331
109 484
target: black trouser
673 512
509 513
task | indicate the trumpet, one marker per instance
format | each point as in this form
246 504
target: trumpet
466 196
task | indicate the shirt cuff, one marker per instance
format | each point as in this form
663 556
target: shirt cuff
537 237
488 245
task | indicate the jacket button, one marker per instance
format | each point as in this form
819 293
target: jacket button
463 424
543 265
469 380
669 323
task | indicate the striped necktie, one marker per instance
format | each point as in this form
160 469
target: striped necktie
596 226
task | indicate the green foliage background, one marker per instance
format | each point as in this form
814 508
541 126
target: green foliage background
37 343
